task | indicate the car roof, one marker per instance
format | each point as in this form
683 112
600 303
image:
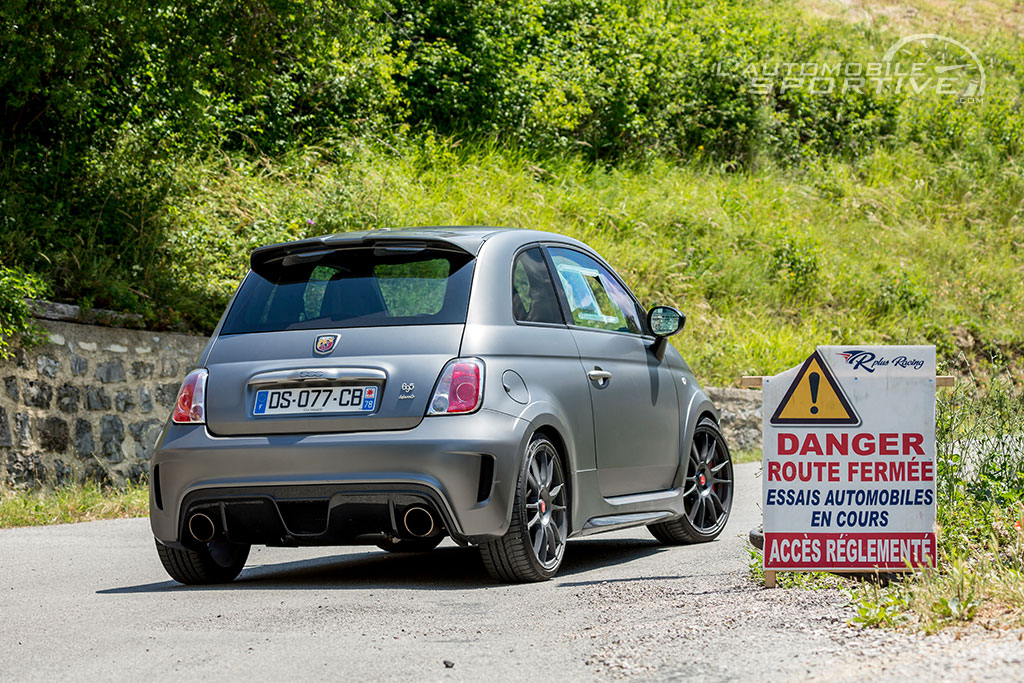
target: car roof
466 238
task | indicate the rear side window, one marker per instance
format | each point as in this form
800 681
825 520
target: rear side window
595 297
533 293
361 287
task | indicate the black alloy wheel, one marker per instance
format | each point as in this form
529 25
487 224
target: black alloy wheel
707 490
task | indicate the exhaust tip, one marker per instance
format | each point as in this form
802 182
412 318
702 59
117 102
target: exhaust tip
419 522
201 527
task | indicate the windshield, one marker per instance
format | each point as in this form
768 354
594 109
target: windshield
361 287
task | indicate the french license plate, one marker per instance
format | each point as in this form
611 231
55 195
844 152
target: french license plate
320 401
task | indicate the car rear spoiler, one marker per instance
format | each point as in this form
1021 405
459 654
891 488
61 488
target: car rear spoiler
397 241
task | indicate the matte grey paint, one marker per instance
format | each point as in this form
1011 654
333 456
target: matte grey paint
636 413
609 487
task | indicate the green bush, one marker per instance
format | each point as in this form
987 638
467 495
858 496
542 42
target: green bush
794 263
980 432
16 323
899 293
101 99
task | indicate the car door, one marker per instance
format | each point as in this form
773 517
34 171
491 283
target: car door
634 402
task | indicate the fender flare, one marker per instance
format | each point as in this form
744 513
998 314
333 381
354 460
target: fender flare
699 406
543 415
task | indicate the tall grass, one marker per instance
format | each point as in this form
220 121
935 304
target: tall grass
895 247
980 432
980 514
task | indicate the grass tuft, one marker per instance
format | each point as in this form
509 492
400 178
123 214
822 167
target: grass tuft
74 503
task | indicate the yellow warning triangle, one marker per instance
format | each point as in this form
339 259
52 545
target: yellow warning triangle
815 399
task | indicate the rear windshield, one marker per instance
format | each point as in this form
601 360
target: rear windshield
363 287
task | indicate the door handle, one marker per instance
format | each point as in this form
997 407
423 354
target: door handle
600 376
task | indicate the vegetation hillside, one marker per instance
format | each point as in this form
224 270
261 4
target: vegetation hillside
147 147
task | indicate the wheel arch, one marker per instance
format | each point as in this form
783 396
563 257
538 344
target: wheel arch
700 406
545 419
555 437
706 413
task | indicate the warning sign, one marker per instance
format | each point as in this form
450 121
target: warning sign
849 461
815 398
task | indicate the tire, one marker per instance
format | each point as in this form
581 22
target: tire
218 562
707 490
410 545
533 547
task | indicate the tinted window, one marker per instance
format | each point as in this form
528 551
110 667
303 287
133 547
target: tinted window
362 287
533 292
411 289
595 297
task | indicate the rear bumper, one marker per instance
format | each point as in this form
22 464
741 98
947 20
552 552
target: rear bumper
442 462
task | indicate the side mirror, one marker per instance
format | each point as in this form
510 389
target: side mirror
663 321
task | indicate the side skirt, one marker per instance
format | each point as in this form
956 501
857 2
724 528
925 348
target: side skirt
596 525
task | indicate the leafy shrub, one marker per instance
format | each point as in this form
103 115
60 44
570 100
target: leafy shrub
795 263
980 486
16 323
899 293
102 98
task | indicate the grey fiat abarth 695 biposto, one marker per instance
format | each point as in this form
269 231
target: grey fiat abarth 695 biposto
500 387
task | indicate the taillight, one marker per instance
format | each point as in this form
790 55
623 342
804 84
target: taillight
460 388
190 407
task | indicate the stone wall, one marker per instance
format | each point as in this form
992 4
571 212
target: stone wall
741 416
89 404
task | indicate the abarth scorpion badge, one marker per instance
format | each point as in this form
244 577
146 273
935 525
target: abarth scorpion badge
324 343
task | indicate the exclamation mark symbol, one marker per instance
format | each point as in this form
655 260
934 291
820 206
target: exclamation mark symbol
815 379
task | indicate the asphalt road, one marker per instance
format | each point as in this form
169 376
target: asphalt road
91 602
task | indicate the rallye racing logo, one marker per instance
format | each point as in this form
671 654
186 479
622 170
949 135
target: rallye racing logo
869 362
324 344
